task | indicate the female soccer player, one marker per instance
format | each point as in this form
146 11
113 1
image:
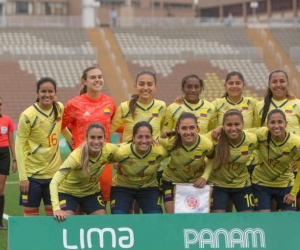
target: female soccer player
230 176
276 99
91 106
76 181
37 147
142 107
139 163
7 147
191 87
273 177
187 150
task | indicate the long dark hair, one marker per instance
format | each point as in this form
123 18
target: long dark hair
84 160
269 95
183 116
222 148
135 97
230 74
38 85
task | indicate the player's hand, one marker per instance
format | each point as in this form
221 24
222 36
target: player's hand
155 142
215 134
167 133
289 199
117 167
24 186
72 142
179 99
14 167
200 183
59 215
290 96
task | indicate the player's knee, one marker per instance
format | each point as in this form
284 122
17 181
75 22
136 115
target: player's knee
31 211
48 211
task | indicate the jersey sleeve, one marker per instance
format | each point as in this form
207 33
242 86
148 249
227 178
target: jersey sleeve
168 121
68 118
21 139
257 118
208 168
296 186
69 164
117 120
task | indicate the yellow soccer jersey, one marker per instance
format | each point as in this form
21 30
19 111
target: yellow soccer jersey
235 173
153 113
70 178
274 169
186 163
138 171
290 108
203 110
37 142
246 105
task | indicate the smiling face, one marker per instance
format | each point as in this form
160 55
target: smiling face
47 95
145 87
142 140
94 80
234 87
277 124
188 130
95 140
192 90
233 126
278 85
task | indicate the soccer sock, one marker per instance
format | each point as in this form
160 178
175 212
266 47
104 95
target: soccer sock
48 211
31 212
1 208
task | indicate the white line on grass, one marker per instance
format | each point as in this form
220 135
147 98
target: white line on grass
5 216
12 182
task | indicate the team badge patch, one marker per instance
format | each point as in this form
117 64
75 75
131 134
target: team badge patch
286 151
107 111
244 150
154 113
288 109
244 106
168 193
198 155
203 113
151 160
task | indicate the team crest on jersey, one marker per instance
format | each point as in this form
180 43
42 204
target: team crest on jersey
203 113
198 155
154 113
151 160
288 109
244 106
58 118
286 151
106 111
244 150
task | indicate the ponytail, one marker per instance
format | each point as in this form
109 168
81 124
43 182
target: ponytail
266 107
83 90
132 104
222 150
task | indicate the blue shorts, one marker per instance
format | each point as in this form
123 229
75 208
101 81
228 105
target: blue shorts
148 199
242 198
159 181
4 160
38 190
298 195
263 197
89 204
250 169
168 191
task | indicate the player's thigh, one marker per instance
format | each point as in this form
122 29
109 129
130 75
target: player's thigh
67 202
243 199
92 203
46 192
219 199
35 193
149 200
121 199
160 181
280 193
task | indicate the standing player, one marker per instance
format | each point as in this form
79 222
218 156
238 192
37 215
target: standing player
191 87
276 99
37 147
91 106
230 176
142 107
187 150
76 181
7 147
139 163
273 178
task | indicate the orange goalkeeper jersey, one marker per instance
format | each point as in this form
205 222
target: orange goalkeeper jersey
81 111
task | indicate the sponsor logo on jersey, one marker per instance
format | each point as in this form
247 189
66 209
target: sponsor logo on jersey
177 153
86 113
